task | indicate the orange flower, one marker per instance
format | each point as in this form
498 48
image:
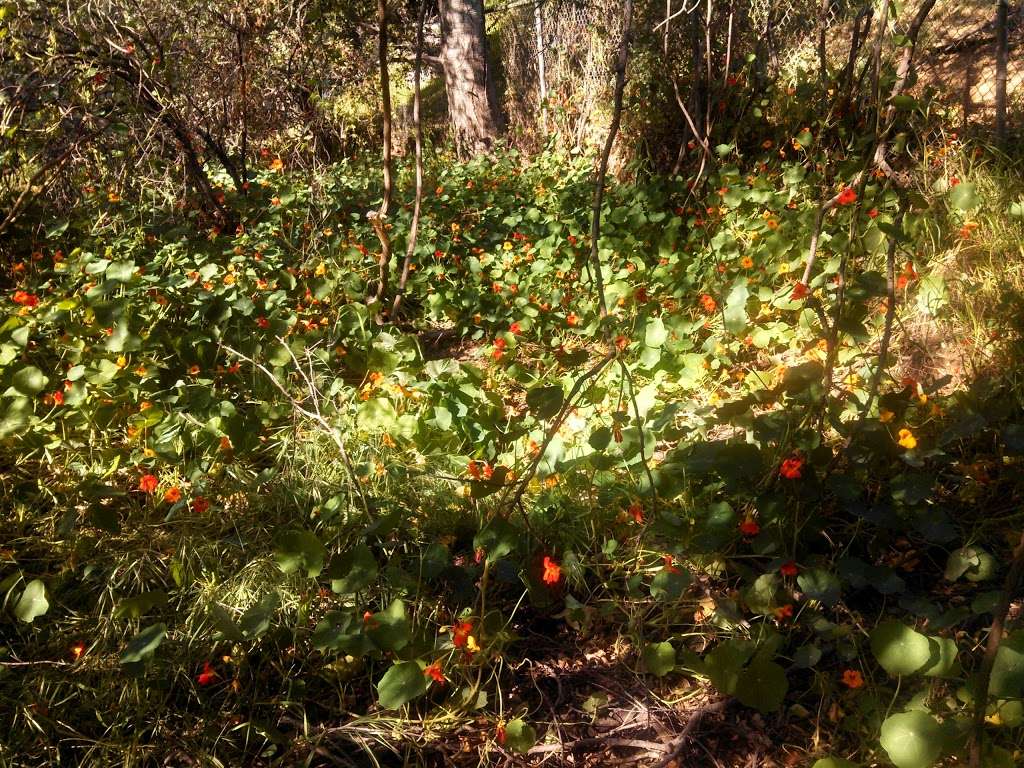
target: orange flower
194 370
747 262
783 613
791 467
434 672
514 328
207 676
788 568
552 571
172 495
873 213
708 303
572 319
907 439
77 650
25 299
799 292
148 483
852 678
200 505
58 398
460 633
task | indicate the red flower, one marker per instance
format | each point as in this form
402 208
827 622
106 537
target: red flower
572 319
791 467
460 633
200 505
207 676
954 181
668 560
636 511
552 571
148 483
499 734
783 613
475 469
514 328
799 292
789 568
873 213
173 495
434 672
846 196
25 299
58 398
708 303
749 527
262 322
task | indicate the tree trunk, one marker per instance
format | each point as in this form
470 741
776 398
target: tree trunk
472 104
1002 54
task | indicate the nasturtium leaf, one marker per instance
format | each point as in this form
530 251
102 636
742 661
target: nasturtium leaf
300 551
256 620
971 562
389 629
144 644
964 196
899 649
121 271
735 311
519 737
497 539
655 333
819 584
659 658
402 683
33 602
724 664
29 381
353 571
377 414
942 662
138 606
763 686
1007 680
806 656
835 762
912 739
670 583
545 402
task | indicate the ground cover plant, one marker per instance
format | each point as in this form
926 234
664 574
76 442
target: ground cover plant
738 482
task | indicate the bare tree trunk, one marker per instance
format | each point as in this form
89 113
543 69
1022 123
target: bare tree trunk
602 170
379 219
1002 54
822 48
418 133
538 26
472 104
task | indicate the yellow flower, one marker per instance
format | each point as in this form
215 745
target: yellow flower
471 645
506 246
907 439
784 268
229 279
321 270
885 415
122 361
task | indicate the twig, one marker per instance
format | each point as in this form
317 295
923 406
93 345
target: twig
995 638
678 744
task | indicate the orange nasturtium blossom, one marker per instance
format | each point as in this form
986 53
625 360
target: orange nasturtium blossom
852 678
873 213
499 733
148 483
552 571
200 505
460 633
172 495
708 303
907 439
572 319
799 292
749 527
25 299
77 650
789 568
194 370
791 467
207 676
636 511
434 672
783 613
746 262
515 328
846 196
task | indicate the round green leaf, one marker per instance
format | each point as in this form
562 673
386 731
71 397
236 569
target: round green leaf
912 739
819 584
354 571
899 649
835 762
659 658
545 402
655 334
300 550
29 380
972 562
144 644
401 684
964 196
763 686
32 602
519 736
1008 670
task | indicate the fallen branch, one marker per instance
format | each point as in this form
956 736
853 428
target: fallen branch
675 747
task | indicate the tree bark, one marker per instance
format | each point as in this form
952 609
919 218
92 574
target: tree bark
472 103
1002 54
379 220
